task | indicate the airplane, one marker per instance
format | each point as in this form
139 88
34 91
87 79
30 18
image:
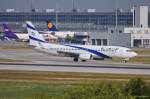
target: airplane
78 52
14 36
54 31
9 35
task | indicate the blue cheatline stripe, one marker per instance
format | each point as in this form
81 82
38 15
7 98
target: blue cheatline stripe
82 48
30 27
91 51
37 39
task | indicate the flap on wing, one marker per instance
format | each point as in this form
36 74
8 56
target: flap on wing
68 54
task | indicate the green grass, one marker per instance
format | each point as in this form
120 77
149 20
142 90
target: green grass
31 91
10 60
14 46
145 60
64 77
142 51
46 85
141 60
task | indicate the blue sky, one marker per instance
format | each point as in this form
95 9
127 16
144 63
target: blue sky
66 5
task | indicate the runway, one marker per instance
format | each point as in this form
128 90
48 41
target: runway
77 68
31 60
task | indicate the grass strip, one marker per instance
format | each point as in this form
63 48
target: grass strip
64 77
10 60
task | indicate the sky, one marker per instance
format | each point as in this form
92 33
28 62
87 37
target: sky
66 5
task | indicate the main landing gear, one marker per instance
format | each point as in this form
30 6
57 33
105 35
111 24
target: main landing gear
75 59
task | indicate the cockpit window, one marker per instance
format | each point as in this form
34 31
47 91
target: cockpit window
129 50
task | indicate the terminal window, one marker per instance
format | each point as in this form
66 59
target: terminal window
104 41
112 31
137 42
120 31
98 41
93 41
146 42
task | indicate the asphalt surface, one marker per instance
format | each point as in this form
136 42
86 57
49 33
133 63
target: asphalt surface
76 68
37 61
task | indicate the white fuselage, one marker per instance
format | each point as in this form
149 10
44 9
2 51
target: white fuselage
60 34
94 51
23 37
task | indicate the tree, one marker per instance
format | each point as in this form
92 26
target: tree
100 91
72 40
136 87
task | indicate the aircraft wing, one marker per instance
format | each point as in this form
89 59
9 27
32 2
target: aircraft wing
69 54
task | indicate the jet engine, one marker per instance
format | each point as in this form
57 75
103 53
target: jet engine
85 56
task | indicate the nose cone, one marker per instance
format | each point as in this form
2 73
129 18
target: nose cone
134 54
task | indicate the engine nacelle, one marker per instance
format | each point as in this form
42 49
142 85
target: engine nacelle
85 56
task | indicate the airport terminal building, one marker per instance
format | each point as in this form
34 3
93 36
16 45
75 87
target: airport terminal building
99 25
97 18
74 21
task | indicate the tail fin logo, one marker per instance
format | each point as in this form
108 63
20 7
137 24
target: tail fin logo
50 25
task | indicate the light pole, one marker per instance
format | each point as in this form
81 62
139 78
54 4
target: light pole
56 14
116 13
133 11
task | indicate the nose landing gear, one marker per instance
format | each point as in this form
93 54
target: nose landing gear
125 60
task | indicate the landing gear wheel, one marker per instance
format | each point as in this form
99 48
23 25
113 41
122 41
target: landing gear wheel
83 60
75 59
124 61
